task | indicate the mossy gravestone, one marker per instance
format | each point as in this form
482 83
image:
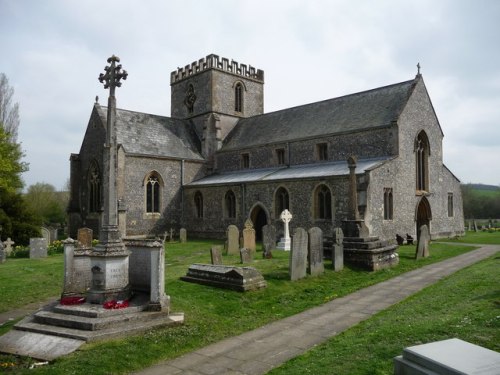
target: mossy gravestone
423 242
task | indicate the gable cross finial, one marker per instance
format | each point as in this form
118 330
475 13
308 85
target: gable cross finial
418 69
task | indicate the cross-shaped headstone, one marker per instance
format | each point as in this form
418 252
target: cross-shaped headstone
286 217
8 244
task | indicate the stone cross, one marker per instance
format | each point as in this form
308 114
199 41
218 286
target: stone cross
286 217
8 245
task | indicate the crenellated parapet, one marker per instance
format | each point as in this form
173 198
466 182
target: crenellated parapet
215 62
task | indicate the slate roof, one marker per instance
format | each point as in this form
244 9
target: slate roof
146 134
327 169
364 110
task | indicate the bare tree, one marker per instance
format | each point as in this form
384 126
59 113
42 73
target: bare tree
9 111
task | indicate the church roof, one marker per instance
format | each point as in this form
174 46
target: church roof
327 169
159 136
364 110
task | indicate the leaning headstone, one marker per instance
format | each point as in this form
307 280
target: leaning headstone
182 235
338 251
38 248
46 234
216 255
246 255
84 238
233 240
268 240
8 246
284 243
3 253
298 255
249 236
315 267
423 243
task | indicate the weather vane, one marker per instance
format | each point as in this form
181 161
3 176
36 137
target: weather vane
113 75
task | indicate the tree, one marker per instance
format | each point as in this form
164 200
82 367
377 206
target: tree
9 111
11 165
45 201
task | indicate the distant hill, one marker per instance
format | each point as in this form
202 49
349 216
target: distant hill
484 187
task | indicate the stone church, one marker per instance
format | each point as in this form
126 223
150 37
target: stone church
219 160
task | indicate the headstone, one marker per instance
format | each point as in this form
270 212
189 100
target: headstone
315 257
475 225
268 240
469 227
284 243
423 243
246 255
451 357
338 251
84 238
171 234
46 234
38 248
298 255
249 236
8 246
3 253
216 255
233 240
183 235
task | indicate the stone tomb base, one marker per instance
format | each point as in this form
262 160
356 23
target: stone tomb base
451 357
370 253
63 329
241 279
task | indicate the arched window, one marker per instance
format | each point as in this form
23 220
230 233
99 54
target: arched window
422 152
281 201
323 203
388 203
198 203
230 205
94 187
153 187
238 97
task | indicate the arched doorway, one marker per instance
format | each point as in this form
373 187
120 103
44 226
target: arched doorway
423 214
259 216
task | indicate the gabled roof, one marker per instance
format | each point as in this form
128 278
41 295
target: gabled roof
146 134
364 110
316 170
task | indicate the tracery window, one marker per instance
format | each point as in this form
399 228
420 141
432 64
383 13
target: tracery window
281 200
198 202
94 183
422 152
388 204
230 205
238 97
323 203
153 193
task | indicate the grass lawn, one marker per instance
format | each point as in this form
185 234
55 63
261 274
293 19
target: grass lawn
211 314
485 238
465 305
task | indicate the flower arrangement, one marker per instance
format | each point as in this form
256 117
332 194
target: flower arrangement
70 301
121 304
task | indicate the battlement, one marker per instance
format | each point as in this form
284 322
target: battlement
215 62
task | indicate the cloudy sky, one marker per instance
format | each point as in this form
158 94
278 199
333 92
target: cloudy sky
53 51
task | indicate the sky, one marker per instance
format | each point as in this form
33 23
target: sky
53 51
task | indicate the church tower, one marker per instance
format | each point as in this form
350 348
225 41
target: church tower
215 93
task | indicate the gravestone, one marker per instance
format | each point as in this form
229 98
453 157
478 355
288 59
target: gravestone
233 240
182 235
216 255
38 248
315 267
298 255
475 225
284 243
423 243
268 240
3 253
338 251
246 255
8 246
46 234
469 226
171 234
249 236
84 238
